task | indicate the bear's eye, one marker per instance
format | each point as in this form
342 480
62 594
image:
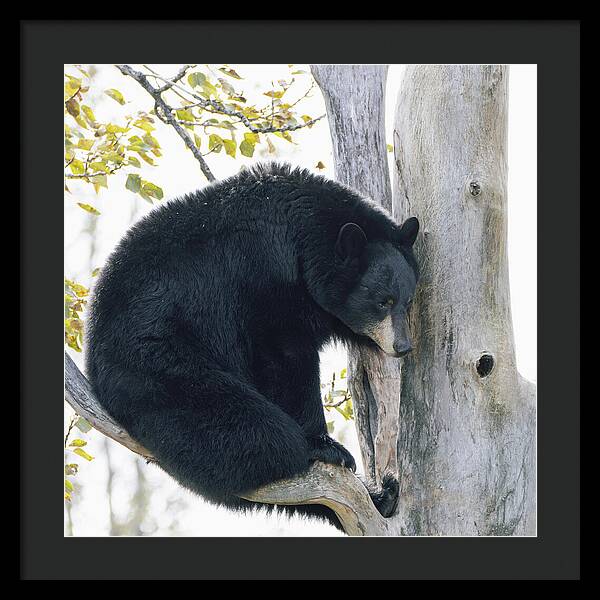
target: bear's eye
388 302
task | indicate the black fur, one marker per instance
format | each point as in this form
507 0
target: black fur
206 323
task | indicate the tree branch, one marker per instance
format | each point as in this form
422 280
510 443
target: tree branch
169 84
78 393
224 110
167 116
330 485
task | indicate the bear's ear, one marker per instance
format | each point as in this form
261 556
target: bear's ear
407 234
351 241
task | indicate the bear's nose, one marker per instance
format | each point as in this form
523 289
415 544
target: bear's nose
402 349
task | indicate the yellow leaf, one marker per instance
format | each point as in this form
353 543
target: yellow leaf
89 113
83 454
230 147
230 72
89 208
76 167
78 443
85 144
115 95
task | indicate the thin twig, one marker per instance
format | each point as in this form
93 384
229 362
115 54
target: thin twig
167 116
180 74
337 403
71 424
222 109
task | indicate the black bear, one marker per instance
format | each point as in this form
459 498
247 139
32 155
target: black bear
206 323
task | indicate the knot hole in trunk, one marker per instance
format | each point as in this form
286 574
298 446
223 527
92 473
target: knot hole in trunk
485 365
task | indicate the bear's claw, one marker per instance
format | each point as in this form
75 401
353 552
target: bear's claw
327 450
386 499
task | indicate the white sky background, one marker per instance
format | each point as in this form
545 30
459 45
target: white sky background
174 511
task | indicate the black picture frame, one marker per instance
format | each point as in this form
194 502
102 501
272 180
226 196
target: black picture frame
45 554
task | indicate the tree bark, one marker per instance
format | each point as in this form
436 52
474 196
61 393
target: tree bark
78 393
355 101
465 426
467 418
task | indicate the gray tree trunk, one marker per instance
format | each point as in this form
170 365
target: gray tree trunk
354 98
460 424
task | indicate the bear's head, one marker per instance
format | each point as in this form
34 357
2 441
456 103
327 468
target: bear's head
380 280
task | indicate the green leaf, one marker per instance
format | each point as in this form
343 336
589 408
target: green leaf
133 183
139 148
76 167
343 373
227 125
230 147
83 424
68 485
72 86
284 134
152 190
330 427
252 138
85 144
197 140
100 180
144 125
246 148
145 157
151 141
112 128
79 290
99 166
208 89
215 142
83 454
89 208
115 95
390 148
185 115
74 80
81 122
196 79
132 160
89 113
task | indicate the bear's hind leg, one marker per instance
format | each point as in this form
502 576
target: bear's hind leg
225 440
